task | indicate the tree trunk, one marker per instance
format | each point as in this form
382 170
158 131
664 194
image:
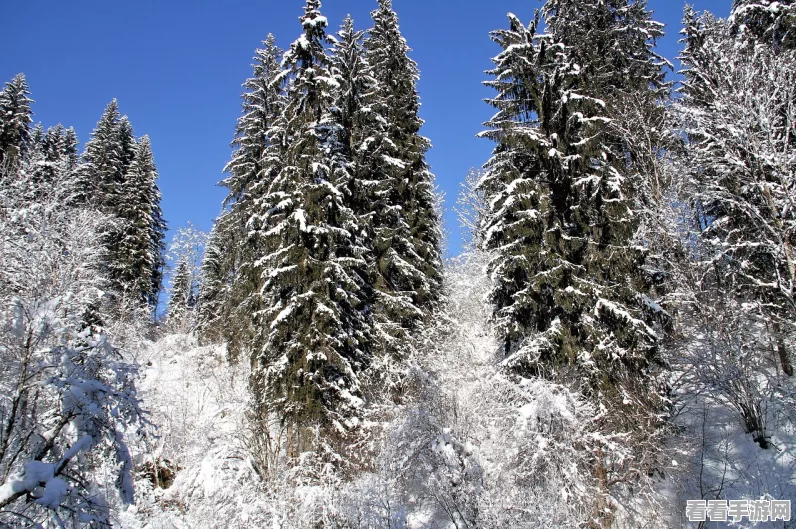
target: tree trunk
784 359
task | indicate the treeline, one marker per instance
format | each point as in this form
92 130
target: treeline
636 238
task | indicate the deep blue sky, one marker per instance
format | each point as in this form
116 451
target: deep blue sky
176 67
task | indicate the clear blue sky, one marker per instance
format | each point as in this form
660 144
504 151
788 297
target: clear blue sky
176 67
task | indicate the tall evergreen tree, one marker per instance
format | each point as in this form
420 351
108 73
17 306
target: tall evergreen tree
104 162
182 298
250 171
52 157
15 120
215 282
262 103
313 325
407 235
117 176
569 292
136 265
356 84
69 146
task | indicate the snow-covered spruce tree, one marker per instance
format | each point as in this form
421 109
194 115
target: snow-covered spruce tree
186 255
250 171
356 85
215 275
406 231
15 120
117 176
313 328
769 21
51 156
741 150
367 194
58 150
569 287
104 162
136 264
182 299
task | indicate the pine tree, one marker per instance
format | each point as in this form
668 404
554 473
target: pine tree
34 164
15 120
356 84
407 235
569 284
313 327
37 137
137 261
51 157
262 103
69 146
215 282
117 176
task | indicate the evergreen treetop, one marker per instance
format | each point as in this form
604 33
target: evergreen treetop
15 120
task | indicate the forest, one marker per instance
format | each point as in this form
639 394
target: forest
613 348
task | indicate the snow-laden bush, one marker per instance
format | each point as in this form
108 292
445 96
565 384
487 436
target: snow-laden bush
67 397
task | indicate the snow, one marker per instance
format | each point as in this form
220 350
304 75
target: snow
282 316
300 216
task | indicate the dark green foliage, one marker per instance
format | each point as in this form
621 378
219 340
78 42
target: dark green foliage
103 163
230 298
328 250
51 159
15 119
215 283
117 176
136 264
571 297
183 297
313 329
406 234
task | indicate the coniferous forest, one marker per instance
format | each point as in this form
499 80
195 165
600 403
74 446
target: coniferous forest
617 337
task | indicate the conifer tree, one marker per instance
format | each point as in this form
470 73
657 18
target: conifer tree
15 120
34 163
182 299
104 162
407 236
356 84
313 327
69 146
37 137
136 266
251 169
117 176
569 287
262 103
772 22
52 157
215 282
